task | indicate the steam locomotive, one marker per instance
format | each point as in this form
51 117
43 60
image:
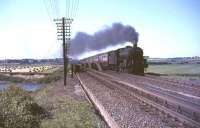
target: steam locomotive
128 59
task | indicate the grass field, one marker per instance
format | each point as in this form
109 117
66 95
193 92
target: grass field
175 69
179 71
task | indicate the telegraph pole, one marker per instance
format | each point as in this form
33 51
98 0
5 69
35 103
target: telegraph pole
64 34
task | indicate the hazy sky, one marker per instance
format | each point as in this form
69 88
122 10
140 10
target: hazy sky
167 28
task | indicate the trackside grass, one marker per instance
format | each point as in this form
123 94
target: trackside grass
182 71
66 112
175 68
19 110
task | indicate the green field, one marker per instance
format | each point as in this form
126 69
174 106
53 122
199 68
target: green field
172 69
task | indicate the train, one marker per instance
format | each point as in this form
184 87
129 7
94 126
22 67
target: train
128 59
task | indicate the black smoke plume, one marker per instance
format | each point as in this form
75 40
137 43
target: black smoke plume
111 36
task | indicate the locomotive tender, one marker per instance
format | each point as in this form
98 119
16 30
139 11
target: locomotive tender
128 59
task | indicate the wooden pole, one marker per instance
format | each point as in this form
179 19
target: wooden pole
64 52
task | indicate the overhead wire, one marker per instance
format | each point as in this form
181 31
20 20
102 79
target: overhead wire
52 12
52 9
51 6
68 8
72 8
76 9
48 10
55 2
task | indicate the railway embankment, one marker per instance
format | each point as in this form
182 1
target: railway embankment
126 110
68 106
51 106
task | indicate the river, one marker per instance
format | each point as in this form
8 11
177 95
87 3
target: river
25 86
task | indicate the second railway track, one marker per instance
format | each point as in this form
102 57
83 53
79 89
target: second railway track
181 111
170 84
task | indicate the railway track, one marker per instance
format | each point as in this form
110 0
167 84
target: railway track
93 100
183 110
127 111
173 82
164 84
177 82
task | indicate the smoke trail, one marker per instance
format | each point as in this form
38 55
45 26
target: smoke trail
111 36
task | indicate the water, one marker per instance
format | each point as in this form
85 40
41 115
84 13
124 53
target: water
30 86
25 86
3 85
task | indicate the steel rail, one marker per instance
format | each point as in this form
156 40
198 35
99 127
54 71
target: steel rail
171 82
151 98
105 115
194 85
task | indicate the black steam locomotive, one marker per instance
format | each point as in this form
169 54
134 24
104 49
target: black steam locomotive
128 59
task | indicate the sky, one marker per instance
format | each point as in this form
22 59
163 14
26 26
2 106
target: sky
167 28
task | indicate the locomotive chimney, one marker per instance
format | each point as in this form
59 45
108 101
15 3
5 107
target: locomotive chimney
134 44
135 41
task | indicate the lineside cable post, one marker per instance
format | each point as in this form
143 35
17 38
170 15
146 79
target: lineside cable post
64 34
